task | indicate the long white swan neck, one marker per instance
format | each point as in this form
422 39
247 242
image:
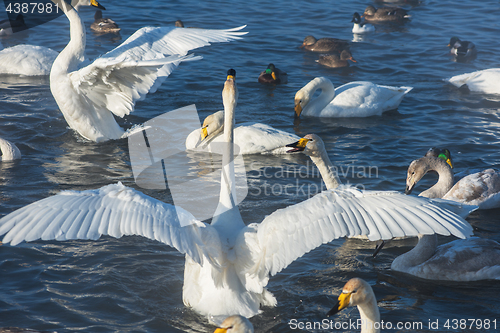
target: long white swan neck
326 96
445 181
73 53
326 169
370 316
227 213
425 248
9 151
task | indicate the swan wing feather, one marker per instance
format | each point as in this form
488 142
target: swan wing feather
119 78
288 233
114 210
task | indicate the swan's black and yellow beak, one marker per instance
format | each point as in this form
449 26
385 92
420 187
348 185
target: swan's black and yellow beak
204 132
94 3
342 303
409 187
298 146
298 109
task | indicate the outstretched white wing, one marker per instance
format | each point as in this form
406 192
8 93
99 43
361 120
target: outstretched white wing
288 233
113 210
139 65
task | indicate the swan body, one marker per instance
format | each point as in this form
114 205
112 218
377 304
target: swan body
273 75
485 81
357 292
90 96
462 49
481 188
324 45
9 151
250 138
27 60
359 27
228 263
335 61
385 14
235 324
469 259
354 99
103 25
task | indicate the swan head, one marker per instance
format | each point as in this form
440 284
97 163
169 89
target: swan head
78 3
235 324
356 18
302 98
230 91
420 167
212 126
311 145
355 292
309 40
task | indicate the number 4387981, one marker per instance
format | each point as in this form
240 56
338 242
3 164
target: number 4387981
32 8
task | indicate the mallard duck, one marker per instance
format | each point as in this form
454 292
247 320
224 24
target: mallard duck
462 49
273 75
385 14
333 60
324 45
103 25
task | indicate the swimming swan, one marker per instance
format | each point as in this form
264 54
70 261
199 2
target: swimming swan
250 138
481 188
354 99
486 81
357 292
235 324
228 264
469 259
88 97
9 151
27 60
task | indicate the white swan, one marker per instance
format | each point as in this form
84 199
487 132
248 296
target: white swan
250 138
9 151
228 264
357 292
235 324
27 60
481 188
469 259
354 99
485 81
88 97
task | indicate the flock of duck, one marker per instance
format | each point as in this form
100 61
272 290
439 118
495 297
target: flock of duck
228 263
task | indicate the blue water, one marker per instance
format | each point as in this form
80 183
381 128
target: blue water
134 284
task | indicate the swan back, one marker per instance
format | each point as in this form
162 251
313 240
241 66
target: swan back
485 81
9 151
481 188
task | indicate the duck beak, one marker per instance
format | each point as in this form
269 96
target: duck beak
97 4
298 146
273 75
342 303
352 59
